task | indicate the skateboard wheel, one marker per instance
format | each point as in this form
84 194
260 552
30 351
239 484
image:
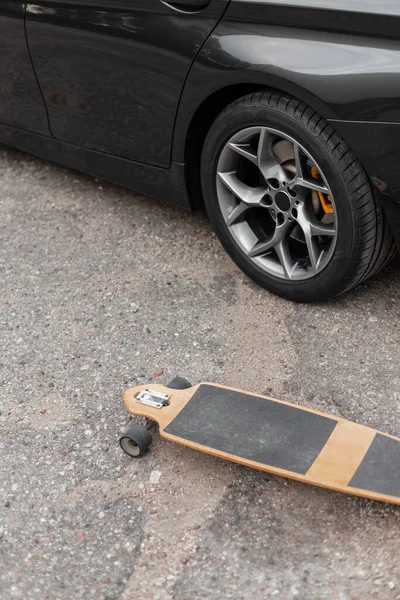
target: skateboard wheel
179 383
136 441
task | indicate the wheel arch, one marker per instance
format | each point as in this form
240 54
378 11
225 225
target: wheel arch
196 116
197 130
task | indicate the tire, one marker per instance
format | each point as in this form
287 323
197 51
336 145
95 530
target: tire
358 242
136 441
386 248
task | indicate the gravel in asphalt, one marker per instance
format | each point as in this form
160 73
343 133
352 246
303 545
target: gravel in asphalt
102 290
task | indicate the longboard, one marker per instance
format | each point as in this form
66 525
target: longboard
270 435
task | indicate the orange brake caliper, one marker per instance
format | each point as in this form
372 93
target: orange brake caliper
325 200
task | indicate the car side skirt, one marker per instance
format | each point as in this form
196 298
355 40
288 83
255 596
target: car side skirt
167 185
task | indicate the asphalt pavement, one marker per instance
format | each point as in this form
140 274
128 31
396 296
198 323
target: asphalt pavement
101 290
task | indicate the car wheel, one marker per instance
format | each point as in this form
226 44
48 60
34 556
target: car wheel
289 200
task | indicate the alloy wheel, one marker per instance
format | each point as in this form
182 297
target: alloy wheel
276 203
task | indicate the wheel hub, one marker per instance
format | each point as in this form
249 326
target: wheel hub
283 201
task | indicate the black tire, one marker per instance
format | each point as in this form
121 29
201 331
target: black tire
136 441
386 248
364 242
179 383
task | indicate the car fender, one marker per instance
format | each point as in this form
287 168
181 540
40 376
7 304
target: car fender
341 76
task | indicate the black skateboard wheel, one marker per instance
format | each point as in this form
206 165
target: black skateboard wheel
179 383
136 441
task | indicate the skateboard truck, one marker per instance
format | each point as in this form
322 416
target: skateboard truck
153 398
137 439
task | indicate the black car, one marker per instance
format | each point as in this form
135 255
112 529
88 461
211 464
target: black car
282 118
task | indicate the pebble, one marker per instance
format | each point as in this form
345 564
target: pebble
155 476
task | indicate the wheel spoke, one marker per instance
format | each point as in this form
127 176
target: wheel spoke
298 161
318 228
301 172
244 150
313 251
310 185
248 195
237 214
306 217
267 163
285 258
262 247
310 228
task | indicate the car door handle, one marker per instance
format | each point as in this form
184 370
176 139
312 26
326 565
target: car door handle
187 5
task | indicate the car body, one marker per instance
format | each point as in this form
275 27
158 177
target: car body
127 90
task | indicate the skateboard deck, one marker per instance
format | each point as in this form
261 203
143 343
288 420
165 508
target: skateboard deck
274 436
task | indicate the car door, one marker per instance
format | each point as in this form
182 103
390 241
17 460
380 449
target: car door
21 104
112 71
